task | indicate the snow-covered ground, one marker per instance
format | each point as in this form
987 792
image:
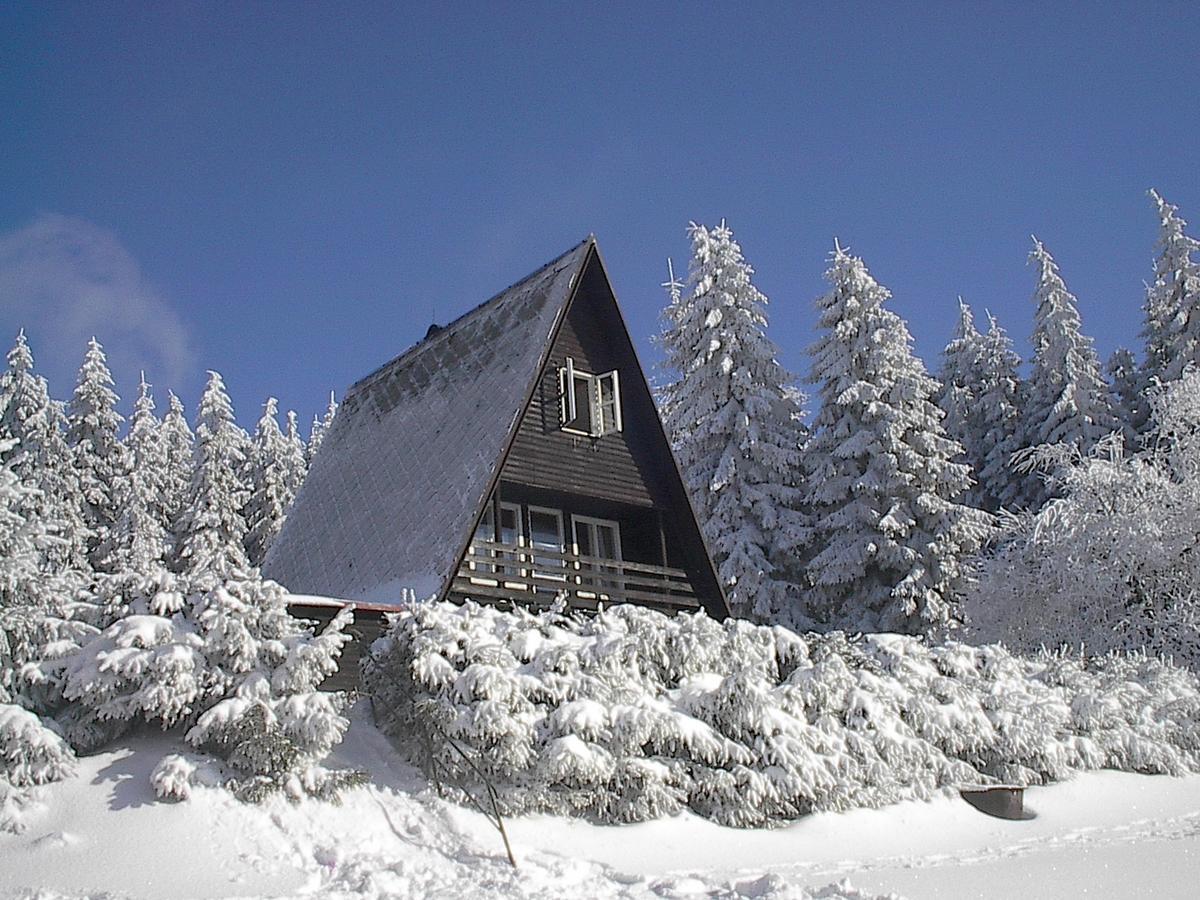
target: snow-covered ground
102 833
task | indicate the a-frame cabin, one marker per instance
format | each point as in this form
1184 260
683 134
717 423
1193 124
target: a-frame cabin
511 456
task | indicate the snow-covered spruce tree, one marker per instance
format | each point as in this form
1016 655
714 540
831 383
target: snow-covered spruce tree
20 564
1068 401
1172 329
269 484
30 753
222 658
179 449
211 530
958 395
736 426
99 457
1112 564
295 460
1127 384
320 427
1000 398
43 460
889 535
140 535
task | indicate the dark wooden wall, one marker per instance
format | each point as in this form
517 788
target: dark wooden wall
639 525
367 626
632 467
616 466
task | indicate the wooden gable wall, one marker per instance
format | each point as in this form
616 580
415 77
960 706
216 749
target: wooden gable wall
633 467
621 467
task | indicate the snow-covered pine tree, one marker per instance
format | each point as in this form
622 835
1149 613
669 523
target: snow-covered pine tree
1127 384
295 460
270 492
889 537
179 448
223 655
211 529
958 395
21 578
320 427
1172 329
1000 398
43 460
1068 400
97 453
19 539
140 535
735 422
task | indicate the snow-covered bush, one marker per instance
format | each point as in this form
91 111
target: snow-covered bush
206 654
172 777
31 754
631 714
1113 564
273 745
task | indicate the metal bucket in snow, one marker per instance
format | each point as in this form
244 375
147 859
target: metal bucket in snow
1004 801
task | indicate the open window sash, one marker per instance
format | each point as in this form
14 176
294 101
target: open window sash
566 394
608 403
589 404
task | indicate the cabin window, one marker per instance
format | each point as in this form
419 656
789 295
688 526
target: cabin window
546 534
596 540
486 558
589 404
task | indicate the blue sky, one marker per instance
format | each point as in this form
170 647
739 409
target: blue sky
290 193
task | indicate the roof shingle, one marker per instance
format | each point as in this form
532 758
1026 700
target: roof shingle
413 447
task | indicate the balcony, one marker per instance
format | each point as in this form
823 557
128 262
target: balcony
535 576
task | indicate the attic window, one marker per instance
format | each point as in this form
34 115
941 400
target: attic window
588 404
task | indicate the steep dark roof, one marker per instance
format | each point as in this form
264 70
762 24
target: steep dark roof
414 447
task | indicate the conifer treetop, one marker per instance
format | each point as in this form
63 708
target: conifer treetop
1069 400
1000 397
735 422
43 460
320 427
212 529
1172 329
888 532
99 457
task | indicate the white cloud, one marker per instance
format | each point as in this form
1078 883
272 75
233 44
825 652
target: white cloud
64 280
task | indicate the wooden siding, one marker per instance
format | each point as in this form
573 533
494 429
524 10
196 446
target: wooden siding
632 468
368 625
617 466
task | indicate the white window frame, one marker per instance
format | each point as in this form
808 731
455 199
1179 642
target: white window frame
568 409
598 404
599 575
591 520
532 554
507 561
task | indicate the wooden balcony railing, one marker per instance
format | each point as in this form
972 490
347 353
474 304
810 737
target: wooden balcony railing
536 575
